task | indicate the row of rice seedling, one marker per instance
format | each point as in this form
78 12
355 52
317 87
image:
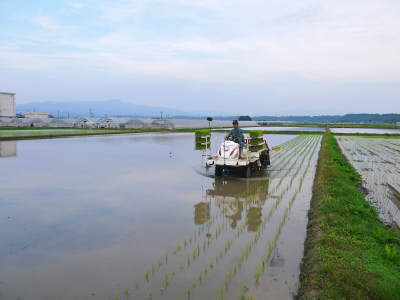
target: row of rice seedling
265 259
193 241
228 245
379 172
246 250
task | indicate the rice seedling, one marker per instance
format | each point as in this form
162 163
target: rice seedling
126 293
242 292
147 275
137 283
149 294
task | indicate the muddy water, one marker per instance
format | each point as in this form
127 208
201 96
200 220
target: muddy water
378 161
129 216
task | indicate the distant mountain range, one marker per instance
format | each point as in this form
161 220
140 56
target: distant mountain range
118 108
99 109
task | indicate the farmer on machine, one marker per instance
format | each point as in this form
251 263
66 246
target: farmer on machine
236 135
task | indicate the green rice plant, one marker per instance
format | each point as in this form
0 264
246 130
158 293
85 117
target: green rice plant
202 139
178 248
242 293
117 297
147 275
256 133
202 132
194 283
256 141
149 294
202 146
126 293
137 282
253 148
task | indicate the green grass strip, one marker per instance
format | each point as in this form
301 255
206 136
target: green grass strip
349 253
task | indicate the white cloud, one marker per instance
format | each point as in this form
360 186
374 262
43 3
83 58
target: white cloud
222 42
46 22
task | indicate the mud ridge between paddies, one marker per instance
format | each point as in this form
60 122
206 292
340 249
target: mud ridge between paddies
349 253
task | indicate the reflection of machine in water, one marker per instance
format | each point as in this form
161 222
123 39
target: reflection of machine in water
8 148
232 197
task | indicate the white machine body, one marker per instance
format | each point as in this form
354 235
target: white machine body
228 155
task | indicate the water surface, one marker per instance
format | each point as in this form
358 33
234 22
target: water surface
88 217
365 130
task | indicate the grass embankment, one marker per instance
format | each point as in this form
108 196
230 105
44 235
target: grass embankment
349 253
44 133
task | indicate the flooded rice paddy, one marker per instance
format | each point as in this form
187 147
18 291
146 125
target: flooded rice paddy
271 128
378 161
365 130
128 217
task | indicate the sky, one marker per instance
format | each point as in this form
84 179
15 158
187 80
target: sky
258 57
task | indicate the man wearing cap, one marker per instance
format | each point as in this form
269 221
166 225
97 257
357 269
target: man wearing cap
236 134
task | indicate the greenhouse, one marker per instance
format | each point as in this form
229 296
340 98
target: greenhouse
60 123
84 123
134 124
34 122
106 123
162 124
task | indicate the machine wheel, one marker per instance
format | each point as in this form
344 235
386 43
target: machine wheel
218 171
264 158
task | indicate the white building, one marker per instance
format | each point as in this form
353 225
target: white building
35 114
7 105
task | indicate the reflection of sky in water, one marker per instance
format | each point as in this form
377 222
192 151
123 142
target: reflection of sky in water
81 214
365 130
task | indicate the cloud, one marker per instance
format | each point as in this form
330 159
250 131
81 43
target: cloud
45 22
215 42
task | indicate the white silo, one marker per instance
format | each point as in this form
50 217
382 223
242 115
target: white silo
7 105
